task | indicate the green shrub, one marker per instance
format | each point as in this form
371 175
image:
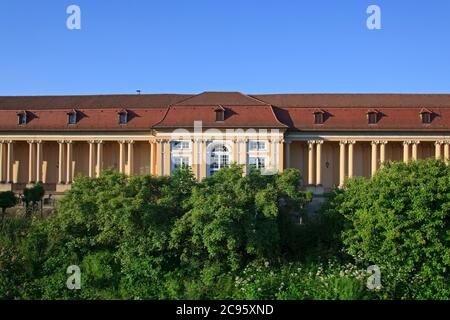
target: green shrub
399 220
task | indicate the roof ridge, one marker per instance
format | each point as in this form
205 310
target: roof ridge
251 97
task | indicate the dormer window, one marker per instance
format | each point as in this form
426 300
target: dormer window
319 117
123 117
372 117
22 118
426 116
72 117
220 114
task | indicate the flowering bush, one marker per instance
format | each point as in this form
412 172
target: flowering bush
297 281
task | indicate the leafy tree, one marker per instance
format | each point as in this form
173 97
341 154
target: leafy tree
233 219
399 220
7 200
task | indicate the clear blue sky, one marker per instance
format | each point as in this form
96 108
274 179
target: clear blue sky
253 46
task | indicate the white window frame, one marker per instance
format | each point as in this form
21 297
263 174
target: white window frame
258 145
220 154
184 151
184 145
258 157
186 160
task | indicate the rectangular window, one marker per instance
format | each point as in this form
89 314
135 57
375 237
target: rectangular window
22 119
373 117
426 117
180 161
257 145
180 145
257 162
72 118
220 115
318 118
123 118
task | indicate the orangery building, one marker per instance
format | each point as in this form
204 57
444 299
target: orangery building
329 137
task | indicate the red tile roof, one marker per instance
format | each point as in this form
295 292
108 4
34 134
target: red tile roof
344 111
88 119
356 100
355 118
221 98
261 116
129 101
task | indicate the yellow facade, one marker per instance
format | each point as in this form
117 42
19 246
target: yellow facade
325 161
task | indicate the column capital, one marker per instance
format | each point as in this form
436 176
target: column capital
415 142
318 141
343 142
375 142
407 142
311 142
31 141
439 142
9 141
122 141
99 141
383 142
68 141
130 141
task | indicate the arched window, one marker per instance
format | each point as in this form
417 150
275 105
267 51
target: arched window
219 158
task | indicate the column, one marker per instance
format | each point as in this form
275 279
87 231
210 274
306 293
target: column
235 150
382 152
414 150
406 151
122 156
374 157
438 150
91 159
342 163
99 158
9 163
152 156
130 158
446 151
61 162
287 145
203 157
159 151
194 161
2 163
167 157
319 162
243 145
350 158
280 155
311 163
31 162
39 161
69 162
